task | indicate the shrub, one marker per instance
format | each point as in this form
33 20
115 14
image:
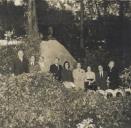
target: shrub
126 77
34 100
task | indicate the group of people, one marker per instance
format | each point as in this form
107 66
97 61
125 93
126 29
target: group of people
22 65
86 80
77 78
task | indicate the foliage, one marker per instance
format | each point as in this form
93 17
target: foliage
126 77
34 100
7 55
96 57
88 123
103 20
92 8
9 14
103 24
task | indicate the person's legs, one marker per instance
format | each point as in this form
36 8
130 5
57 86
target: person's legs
86 86
94 86
113 85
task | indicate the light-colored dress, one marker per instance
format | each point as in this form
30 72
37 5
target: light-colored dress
90 76
79 78
90 81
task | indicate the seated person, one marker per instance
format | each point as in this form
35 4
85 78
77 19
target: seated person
79 77
90 79
66 75
21 64
56 69
101 78
42 65
34 67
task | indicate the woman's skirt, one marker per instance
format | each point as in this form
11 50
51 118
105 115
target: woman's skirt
91 86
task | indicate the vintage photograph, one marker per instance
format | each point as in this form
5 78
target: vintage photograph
65 63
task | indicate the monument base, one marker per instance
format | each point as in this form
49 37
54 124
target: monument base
51 49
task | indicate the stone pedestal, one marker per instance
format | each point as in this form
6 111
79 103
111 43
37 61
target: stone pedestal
51 49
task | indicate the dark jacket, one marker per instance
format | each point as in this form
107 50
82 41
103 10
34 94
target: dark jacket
56 71
113 78
20 67
67 75
101 81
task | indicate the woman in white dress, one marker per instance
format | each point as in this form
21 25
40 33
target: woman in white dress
90 79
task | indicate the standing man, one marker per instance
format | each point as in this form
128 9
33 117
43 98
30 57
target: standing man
101 78
21 64
113 75
56 69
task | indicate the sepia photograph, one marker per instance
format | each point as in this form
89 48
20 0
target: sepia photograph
65 63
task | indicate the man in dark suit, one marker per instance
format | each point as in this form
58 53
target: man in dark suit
113 75
21 64
56 69
101 78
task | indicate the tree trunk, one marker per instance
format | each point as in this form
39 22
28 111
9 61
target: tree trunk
82 25
32 21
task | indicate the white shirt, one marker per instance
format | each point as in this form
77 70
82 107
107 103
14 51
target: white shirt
32 63
57 65
101 73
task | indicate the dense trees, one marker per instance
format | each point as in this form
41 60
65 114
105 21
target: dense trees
105 23
11 18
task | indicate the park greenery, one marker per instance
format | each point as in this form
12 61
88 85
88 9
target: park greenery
34 100
106 24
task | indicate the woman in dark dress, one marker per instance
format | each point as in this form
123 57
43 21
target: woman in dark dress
67 76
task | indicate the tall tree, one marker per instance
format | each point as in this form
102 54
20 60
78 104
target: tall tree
32 27
82 24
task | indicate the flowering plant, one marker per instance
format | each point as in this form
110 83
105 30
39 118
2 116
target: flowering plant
86 123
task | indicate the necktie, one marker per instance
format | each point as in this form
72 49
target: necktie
101 74
58 67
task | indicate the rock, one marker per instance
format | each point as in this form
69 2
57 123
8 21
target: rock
51 49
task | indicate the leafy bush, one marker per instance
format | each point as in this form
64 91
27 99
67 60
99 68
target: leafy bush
126 77
35 100
7 55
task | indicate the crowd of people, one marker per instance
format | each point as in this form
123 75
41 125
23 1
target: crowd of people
77 78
